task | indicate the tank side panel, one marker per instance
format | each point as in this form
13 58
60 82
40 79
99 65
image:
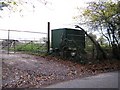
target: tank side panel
56 37
76 35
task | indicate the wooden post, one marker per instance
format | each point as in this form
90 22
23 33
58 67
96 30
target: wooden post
48 42
14 46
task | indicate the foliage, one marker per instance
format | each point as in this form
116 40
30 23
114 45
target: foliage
31 47
88 42
19 5
3 4
100 52
104 17
102 40
11 4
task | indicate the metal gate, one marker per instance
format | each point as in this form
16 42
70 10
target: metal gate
14 41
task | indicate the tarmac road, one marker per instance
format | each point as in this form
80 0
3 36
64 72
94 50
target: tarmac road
105 80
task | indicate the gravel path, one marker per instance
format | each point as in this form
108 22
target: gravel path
23 70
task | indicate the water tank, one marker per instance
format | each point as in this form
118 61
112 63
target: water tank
57 35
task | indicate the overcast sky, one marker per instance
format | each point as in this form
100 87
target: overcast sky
59 12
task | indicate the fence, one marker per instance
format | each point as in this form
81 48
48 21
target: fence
13 41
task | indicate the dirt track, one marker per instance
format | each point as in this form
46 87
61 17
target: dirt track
23 70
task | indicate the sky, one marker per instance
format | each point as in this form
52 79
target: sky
59 13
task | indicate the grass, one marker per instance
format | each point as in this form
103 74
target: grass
31 48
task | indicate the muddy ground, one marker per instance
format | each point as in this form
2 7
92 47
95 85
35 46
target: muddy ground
29 71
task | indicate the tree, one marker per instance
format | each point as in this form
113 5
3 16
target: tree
88 41
100 53
104 17
17 5
101 40
89 44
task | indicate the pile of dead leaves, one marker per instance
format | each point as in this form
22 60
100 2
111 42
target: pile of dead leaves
104 66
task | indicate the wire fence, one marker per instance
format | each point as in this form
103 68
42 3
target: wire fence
13 41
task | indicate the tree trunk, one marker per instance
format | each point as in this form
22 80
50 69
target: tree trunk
100 52
115 43
115 51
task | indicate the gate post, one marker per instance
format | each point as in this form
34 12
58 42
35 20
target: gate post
48 36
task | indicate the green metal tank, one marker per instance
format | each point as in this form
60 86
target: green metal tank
57 35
